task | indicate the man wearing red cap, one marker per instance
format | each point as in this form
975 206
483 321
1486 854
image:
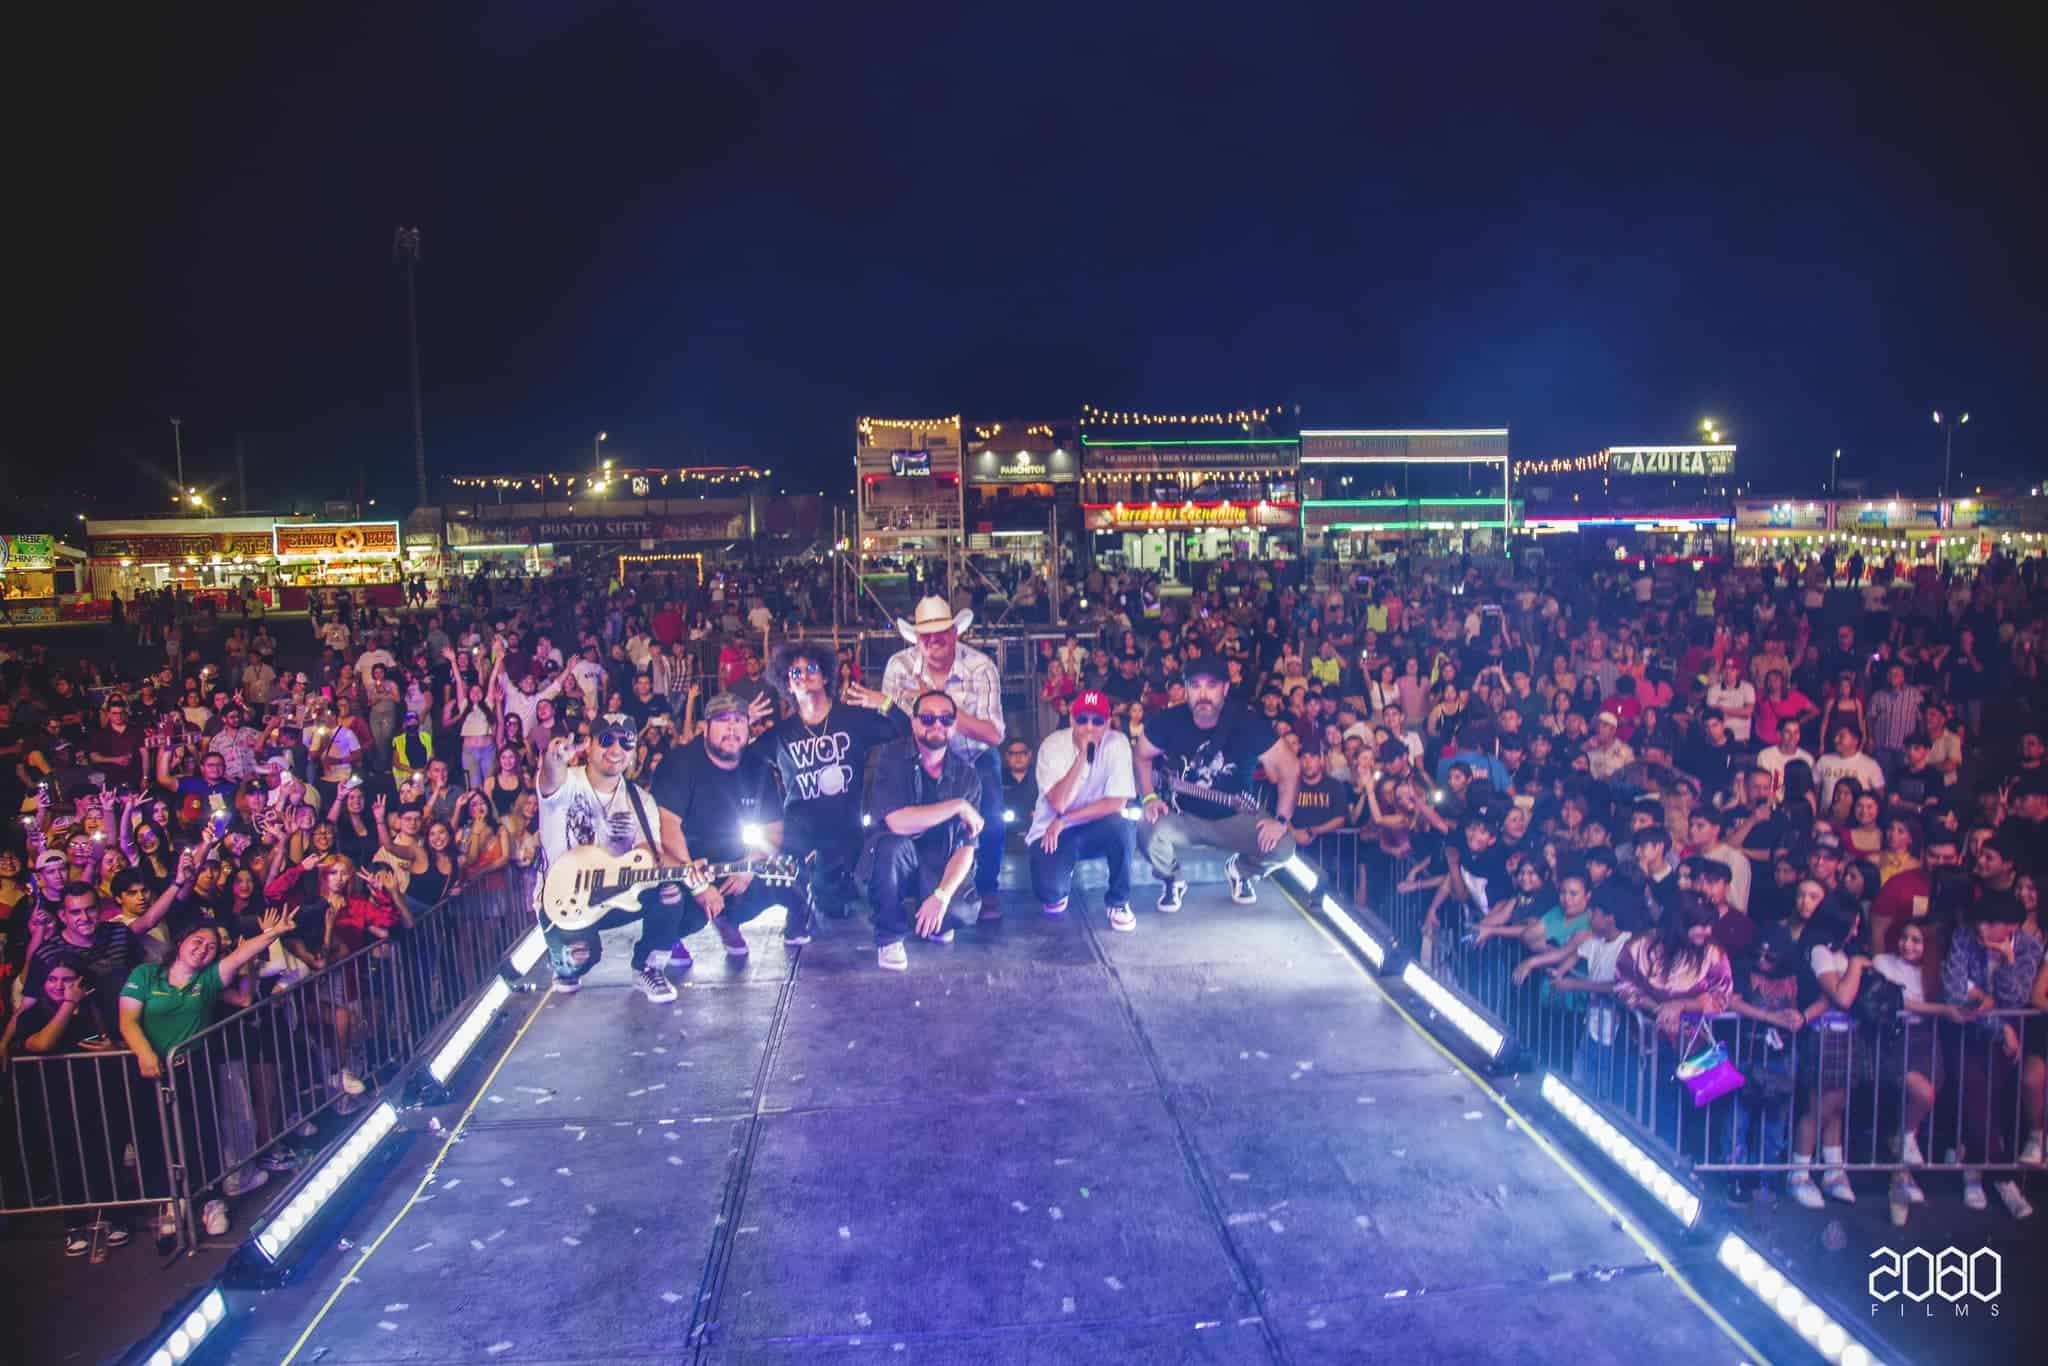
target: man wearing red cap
1085 779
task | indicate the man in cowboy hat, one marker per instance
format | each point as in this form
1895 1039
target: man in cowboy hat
937 662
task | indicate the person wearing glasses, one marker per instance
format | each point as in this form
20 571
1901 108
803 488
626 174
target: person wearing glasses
1085 780
1204 754
923 822
719 805
595 803
938 661
821 752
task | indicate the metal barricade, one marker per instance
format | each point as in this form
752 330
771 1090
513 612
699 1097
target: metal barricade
77 1133
240 1088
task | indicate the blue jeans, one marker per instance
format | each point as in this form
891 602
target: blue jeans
1112 838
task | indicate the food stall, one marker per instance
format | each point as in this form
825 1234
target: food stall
39 577
201 556
340 555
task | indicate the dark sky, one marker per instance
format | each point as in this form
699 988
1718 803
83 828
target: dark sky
721 231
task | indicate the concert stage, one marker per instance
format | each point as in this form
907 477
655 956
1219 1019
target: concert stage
1212 1141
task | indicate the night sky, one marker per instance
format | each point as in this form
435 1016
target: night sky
720 232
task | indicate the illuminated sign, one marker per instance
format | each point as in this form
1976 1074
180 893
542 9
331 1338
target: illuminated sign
34 551
1191 455
1187 516
1666 461
199 545
910 464
303 540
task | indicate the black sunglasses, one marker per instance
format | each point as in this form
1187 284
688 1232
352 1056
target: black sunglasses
934 718
1091 720
622 739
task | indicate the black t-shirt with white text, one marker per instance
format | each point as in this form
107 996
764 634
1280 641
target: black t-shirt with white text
823 769
713 803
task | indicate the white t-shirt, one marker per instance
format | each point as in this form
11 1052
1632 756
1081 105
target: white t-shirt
1602 959
1112 775
574 814
334 635
1722 698
370 659
1773 761
590 678
1896 969
1832 768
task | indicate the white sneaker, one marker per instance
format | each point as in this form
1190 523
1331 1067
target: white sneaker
1801 1186
352 1083
1171 895
2030 1151
1836 1184
654 984
1909 1152
2015 1203
214 1218
241 1183
1243 890
1973 1191
1905 1189
1120 919
892 957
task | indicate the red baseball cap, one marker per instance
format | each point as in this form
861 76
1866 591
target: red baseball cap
1093 703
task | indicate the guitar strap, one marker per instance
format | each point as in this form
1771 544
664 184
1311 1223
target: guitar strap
640 814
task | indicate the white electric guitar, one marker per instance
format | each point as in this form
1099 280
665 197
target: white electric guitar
586 881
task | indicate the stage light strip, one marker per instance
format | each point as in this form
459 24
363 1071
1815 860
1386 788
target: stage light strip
1446 1003
528 951
472 1028
1670 1192
1822 1330
184 1340
1362 940
319 1188
1304 875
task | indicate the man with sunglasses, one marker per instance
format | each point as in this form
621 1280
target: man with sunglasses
718 804
596 803
1084 782
822 754
923 822
938 661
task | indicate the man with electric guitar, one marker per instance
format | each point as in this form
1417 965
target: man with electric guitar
596 804
718 804
1209 747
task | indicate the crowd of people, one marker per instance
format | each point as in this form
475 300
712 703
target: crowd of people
1682 792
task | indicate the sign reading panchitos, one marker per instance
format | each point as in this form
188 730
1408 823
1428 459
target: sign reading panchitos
1174 516
306 539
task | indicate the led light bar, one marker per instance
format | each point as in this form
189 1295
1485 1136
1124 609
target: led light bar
1374 951
1301 872
1446 1003
528 951
184 1340
472 1028
278 1233
1670 1192
1820 1328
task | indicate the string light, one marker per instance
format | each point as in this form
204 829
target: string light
867 425
1571 464
691 474
1105 417
690 556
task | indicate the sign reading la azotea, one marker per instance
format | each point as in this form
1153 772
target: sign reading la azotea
1666 461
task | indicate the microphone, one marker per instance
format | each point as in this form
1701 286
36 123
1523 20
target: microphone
1091 752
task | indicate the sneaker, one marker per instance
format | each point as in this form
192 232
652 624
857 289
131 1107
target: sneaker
1973 1191
1171 895
1120 919
679 957
892 957
991 909
568 986
2015 1203
213 1217
729 934
943 935
797 929
77 1242
1057 908
166 1229
1804 1191
2030 1151
654 984
1906 1190
1243 890
309 1130
1909 1152
352 1083
1836 1184
118 1235
279 1160
243 1182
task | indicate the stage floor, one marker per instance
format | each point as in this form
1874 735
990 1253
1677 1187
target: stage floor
1210 1141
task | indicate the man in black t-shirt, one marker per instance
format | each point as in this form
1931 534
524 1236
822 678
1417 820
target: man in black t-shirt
822 753
1196 766
719 805
1320 802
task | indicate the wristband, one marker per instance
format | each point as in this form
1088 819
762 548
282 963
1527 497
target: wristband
1153 797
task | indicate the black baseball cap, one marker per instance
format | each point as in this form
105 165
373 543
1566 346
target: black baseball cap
1202 663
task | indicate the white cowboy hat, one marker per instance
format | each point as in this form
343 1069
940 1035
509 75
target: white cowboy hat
933 615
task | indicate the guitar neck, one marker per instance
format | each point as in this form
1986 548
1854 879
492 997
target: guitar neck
669 873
